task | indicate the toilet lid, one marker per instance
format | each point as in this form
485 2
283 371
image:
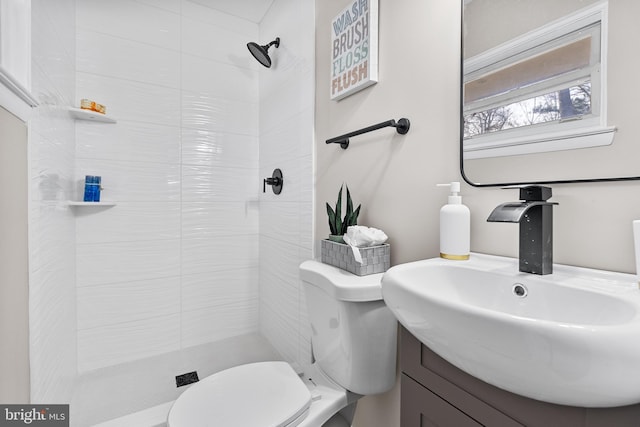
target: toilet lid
266 394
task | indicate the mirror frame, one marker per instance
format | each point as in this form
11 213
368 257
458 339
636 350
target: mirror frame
461 136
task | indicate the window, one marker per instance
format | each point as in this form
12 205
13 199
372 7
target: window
543 91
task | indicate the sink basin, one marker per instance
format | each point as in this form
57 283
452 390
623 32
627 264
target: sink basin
570 338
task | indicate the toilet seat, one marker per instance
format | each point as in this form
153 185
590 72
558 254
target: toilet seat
265 394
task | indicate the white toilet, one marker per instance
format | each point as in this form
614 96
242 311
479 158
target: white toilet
354 348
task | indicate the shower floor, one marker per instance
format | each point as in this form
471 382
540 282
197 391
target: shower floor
147 387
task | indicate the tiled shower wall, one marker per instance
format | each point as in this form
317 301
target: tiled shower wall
286 142
52 291
175 263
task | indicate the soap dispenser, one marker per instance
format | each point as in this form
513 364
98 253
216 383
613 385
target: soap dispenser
455 226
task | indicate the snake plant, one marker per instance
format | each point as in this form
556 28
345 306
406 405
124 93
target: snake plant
337 224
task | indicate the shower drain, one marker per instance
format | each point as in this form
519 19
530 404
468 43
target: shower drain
186 379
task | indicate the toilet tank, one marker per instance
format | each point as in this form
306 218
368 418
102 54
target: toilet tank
353 333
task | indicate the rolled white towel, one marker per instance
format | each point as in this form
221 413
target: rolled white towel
359 236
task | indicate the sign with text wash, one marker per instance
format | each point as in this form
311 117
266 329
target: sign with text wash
354 48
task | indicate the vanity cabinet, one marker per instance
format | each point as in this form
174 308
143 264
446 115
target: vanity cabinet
436 393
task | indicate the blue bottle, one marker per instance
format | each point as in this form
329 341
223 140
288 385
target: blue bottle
92 188
97 188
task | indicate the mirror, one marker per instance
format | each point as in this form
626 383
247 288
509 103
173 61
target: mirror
548 91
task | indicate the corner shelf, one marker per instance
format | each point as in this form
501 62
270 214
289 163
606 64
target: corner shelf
96 204
80 114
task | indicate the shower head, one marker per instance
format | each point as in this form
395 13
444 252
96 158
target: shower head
261 53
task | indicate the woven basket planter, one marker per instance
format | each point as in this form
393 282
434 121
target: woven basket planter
375 259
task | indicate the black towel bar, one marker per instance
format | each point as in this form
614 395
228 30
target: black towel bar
402 127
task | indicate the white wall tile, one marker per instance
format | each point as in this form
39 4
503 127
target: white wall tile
52 335
219 288
128 141
141 22
61 14
51 174
53 123
280 291
170 5
292 22
222 253
203 326
207 148
306 180
53 57
220 44
281 260
128 222
50 84
305 357
279 142
118 303
218 79
102 263
305 133
125 342
279 104
280 330
286 141
202 110
52 247
55 24
214 219
131 100
192 10
52 290
203 183
107 55
281 297
306 221
132 181
280 220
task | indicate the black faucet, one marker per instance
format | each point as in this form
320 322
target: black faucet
535 216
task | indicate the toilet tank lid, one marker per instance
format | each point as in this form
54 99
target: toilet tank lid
341 284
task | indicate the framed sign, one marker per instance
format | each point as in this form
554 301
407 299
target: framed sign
354 48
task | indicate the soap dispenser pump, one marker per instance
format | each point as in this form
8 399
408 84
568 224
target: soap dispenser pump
455 226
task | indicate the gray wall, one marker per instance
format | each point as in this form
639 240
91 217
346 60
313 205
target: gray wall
14 268
394 176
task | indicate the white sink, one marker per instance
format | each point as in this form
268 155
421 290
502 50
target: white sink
572 339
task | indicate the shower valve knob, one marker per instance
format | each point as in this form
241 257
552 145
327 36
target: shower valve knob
270 181
275 181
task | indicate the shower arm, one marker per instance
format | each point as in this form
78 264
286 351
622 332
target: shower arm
275 42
